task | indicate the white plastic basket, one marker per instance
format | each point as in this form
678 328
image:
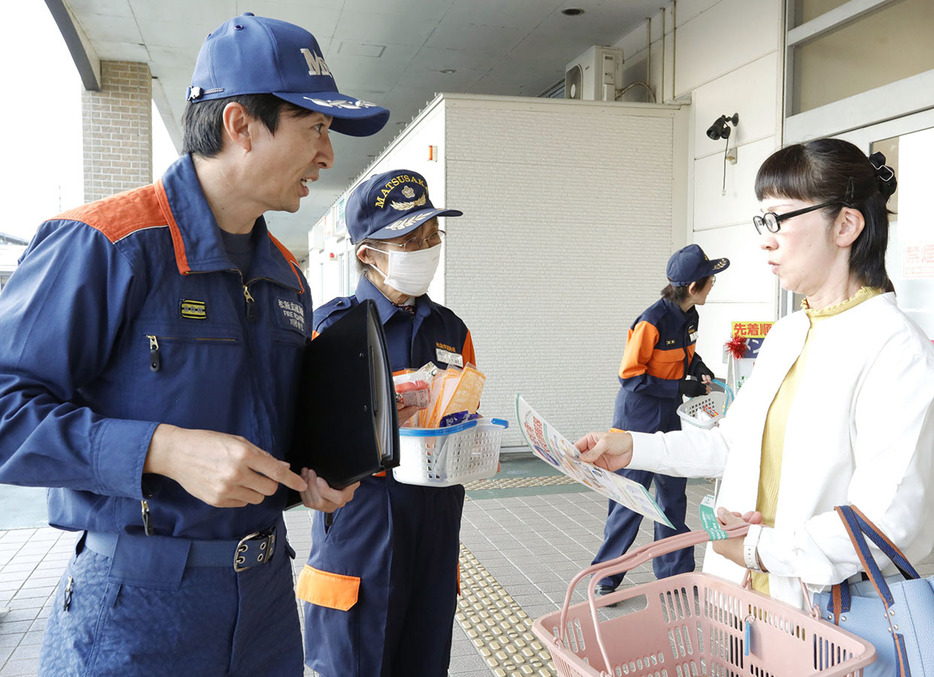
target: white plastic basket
704 411
442 457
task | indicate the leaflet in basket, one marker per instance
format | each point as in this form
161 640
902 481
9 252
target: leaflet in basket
553 448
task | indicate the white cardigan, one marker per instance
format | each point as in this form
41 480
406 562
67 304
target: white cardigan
860 431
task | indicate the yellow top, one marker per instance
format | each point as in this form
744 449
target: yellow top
773 437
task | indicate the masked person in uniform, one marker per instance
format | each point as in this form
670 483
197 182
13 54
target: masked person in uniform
150 346
660 367
381 582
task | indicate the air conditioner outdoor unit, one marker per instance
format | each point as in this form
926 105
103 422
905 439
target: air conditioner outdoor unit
596 75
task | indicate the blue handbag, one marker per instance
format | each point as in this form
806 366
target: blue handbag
897 616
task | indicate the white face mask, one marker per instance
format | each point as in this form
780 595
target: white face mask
410 272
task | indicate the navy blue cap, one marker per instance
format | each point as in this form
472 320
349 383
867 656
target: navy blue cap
390 204
255 55
690 264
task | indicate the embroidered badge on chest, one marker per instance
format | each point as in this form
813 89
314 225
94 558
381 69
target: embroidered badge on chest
193 310
293 313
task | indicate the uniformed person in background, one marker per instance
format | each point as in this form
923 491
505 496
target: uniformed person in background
659 368
381 582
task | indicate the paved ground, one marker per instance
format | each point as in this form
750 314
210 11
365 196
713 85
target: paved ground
525 534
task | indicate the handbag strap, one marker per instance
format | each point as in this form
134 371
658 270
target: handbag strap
839 601
857 524
887 546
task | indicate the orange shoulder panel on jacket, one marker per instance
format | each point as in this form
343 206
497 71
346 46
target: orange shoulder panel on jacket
119 215
639 348
125 213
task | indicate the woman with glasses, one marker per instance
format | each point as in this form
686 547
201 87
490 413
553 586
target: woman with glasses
381 582
659 368
839 408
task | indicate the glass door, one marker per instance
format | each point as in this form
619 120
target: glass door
908 145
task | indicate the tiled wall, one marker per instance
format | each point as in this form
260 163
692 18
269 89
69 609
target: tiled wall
117 130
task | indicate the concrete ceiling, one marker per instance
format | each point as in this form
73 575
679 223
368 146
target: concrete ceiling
391 52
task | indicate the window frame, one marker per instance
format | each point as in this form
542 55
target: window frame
896 99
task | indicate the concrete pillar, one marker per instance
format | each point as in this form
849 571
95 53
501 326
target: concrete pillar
117 130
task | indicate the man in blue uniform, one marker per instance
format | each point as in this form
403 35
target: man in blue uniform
381 582
659 366
149 353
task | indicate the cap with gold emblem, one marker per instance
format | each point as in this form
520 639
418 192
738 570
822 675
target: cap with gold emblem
690 264
390 204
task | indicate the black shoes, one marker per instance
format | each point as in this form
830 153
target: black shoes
601 590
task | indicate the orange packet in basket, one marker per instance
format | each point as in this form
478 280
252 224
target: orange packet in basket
442 389
412 388
466 395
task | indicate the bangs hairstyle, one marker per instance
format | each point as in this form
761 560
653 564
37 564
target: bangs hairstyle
203 121
824 170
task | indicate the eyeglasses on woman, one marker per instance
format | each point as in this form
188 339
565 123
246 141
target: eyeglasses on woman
772 222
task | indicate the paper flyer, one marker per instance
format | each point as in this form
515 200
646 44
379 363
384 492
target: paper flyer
553 448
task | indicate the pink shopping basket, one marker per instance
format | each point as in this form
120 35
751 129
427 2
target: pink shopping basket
690 625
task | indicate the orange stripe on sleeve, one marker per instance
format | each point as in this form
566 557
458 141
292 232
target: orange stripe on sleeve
467 351
639 349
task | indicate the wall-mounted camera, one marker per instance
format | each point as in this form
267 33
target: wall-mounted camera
720 129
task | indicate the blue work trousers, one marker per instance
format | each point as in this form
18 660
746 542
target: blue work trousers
401 543
622 526
214 623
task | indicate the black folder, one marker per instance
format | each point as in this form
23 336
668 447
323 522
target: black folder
346 426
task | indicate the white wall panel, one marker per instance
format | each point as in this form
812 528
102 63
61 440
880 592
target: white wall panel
687 10
726 36
748 279
712 208
567 230
749 91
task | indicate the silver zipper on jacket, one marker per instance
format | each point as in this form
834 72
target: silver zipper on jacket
147 518
250 304
155 358
155 362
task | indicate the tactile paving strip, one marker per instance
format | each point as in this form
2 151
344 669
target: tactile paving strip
515 482
498 627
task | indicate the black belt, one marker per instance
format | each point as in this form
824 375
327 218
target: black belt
251 550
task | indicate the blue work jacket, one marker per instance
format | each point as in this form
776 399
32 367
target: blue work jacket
434 334
126 313
659 353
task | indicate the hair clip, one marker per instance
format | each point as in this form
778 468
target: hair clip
885 175
848 195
